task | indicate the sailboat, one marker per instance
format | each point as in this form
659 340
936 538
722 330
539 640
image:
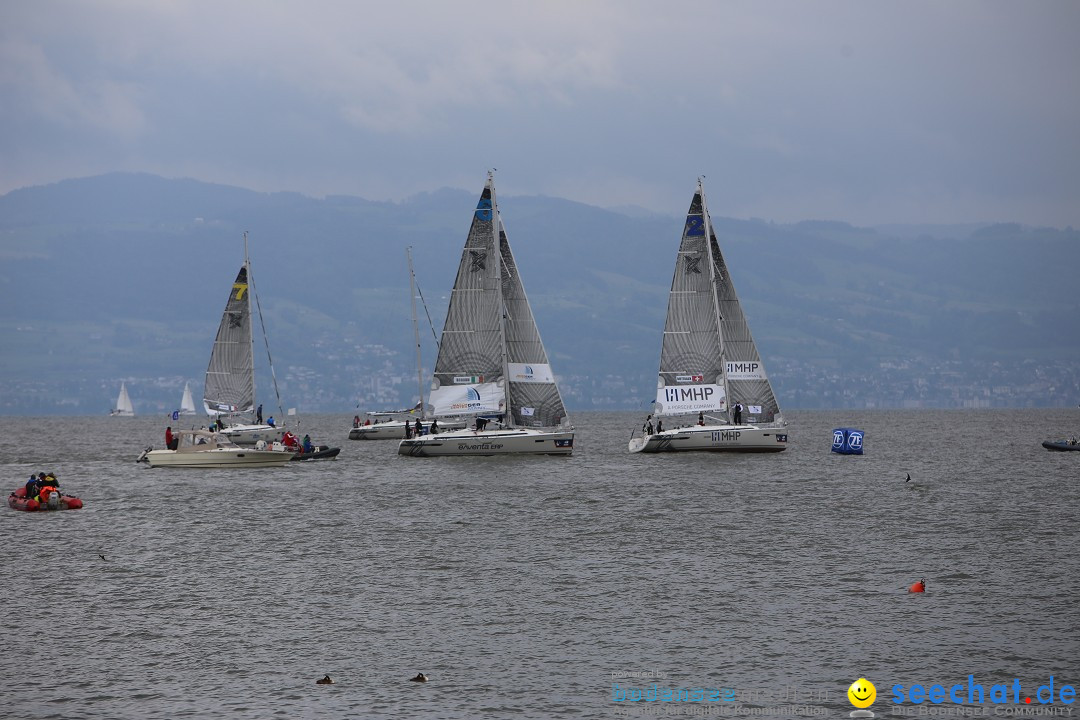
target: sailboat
391 424
124 408
229 390
708 360
492 365
187 403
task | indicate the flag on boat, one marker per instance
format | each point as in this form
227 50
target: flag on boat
292 411
175 414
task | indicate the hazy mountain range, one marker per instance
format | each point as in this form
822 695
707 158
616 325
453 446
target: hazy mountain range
124 277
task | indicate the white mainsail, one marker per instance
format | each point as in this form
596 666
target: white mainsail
708 360
491 359
187 403
123 403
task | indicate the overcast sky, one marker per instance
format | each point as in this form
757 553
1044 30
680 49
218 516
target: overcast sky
867 112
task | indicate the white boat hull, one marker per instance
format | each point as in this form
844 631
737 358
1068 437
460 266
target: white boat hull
713 438
252 434
395 429
510 441
218 458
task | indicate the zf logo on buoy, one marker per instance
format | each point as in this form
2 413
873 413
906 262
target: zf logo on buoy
854 440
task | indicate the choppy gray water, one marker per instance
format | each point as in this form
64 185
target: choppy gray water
528 587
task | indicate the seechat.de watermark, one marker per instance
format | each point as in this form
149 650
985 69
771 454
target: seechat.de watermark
970 698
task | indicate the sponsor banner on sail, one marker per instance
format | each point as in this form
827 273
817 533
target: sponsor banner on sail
467 399
677 399
530 372
744 370
220 408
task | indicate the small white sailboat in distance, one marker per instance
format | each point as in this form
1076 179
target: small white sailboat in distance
123 408
187 403
708 360
492 365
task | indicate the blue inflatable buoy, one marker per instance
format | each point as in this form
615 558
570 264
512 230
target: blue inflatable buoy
847 441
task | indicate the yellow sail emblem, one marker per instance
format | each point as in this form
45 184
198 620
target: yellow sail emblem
240 289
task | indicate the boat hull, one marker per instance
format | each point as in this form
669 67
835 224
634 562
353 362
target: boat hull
218 458
1061 445
252 434
713 438
395 429
18 501
321 452
470 443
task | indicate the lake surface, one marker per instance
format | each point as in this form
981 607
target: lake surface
542 587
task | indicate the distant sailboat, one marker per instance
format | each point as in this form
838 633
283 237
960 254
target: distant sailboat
708 359
124 408
187 404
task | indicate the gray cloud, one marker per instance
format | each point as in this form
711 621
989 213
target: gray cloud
866 112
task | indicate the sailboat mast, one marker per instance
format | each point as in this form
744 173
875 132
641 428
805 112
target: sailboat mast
251 316
416 329
496 228
715 298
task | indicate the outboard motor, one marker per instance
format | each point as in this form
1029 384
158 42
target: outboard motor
261 445
54 500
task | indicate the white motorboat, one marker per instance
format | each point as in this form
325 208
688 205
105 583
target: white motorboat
205 449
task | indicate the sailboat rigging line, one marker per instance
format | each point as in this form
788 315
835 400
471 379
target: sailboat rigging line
266 341
426 312
416 331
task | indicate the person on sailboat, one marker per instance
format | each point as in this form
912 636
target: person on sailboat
647 427
481 423
737 419
434 427
270 421
418 430
356 421
701 418
258 416
659 426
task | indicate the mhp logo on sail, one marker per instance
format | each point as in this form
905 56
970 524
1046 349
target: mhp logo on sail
677 394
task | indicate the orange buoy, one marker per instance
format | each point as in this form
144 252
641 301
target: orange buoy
919 586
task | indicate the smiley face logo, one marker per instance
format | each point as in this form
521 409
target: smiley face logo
862 693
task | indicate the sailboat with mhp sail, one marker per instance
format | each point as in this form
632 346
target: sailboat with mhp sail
711 376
